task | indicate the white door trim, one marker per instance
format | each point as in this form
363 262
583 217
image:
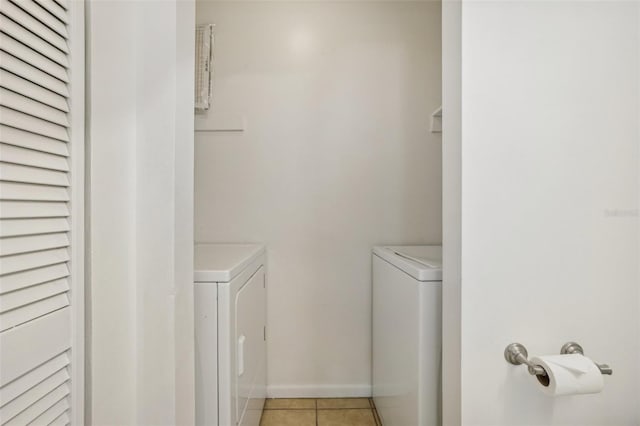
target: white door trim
77 206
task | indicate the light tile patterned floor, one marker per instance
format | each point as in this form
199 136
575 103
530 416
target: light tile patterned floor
320 412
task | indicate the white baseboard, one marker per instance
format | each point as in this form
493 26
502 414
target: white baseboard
319 391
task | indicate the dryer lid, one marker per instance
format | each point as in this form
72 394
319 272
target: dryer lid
223 262
424 263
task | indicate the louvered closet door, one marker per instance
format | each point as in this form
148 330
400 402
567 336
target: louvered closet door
35 213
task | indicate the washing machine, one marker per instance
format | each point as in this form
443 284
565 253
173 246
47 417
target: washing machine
230 334
407 336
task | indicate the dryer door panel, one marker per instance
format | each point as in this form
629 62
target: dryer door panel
250 376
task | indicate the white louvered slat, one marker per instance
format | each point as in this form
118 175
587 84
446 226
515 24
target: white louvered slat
28 157
14 389
29 22
63 3
40 390
31 40
35 10
22 191
62 420
33 277
41 406
25 347
25 174
24 262
31 90
55 9
18 227
52 413
22 138
31 243
29 106
17 299
32 209
33 310
17 119
32 57
16 66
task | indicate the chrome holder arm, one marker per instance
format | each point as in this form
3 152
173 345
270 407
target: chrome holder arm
575 348
517 354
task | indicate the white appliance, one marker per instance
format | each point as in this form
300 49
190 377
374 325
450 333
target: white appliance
407 336
230 333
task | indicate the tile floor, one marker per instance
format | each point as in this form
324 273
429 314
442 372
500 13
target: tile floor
320 412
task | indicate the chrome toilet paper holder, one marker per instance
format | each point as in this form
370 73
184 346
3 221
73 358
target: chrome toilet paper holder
516 354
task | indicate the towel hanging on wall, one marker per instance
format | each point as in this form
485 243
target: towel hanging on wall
204 69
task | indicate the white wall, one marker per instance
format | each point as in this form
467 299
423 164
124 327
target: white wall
336 157
140 212
451 210
550 104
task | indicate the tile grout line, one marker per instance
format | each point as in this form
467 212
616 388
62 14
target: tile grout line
370 408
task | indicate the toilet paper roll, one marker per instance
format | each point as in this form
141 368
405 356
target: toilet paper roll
569 375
